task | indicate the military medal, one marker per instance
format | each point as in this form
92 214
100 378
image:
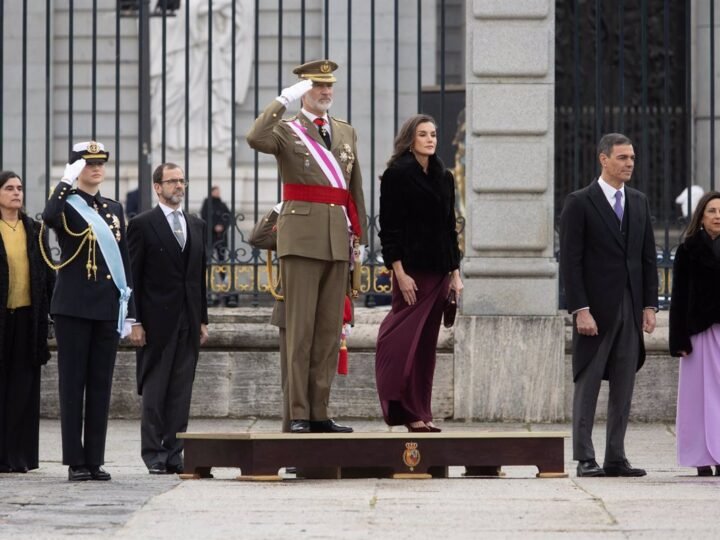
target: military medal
307 163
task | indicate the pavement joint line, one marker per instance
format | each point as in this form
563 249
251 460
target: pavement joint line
598 500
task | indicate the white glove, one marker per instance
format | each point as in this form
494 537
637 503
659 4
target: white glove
72 171
127 329
295 92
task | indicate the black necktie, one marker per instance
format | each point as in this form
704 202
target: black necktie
320 123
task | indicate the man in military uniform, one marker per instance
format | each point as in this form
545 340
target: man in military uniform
89 305
323 212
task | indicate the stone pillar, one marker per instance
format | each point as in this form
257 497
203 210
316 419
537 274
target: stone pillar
509 341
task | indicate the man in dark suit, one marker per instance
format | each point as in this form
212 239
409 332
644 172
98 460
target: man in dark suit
607 263
322 191
167 250
89 305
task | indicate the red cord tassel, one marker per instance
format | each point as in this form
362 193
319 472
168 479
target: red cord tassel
342 368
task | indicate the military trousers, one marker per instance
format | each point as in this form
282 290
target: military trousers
314 293
86 361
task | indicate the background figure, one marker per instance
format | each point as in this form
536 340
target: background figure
167 249
607 264
132 203
218 217
695 336
323 210
88 305
420 245
26 284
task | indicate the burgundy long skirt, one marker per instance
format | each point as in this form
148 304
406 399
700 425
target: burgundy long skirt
405 353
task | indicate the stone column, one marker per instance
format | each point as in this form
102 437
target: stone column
509 341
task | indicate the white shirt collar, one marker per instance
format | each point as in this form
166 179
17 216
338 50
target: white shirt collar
609 191
312 116
167 210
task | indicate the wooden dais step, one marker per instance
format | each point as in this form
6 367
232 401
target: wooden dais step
259 456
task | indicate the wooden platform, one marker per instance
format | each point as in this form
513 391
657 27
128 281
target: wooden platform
259 456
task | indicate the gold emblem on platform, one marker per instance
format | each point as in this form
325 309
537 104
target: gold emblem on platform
93 147
411 456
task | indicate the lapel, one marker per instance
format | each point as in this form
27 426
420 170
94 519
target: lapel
601 204
311 128
334 134
167 238
637 211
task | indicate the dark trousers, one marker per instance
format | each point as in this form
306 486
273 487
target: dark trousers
86 361
618 355
19 395
166 395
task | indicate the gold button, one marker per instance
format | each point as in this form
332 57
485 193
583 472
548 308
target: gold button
292 211
332 204
274 115
104 205
59 196
108 216
108 276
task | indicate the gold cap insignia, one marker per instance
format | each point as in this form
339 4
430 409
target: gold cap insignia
93 147
320 71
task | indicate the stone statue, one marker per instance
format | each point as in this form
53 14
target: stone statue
222 67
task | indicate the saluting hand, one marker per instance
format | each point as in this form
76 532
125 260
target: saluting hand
72 171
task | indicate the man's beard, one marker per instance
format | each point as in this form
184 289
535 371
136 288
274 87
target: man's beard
176 198
323 106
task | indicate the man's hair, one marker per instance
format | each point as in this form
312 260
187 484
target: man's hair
160 170
609 140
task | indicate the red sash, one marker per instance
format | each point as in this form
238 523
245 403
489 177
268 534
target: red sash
326 195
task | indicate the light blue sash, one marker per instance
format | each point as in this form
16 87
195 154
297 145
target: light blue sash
110 251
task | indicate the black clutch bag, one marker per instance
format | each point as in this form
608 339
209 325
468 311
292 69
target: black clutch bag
450 309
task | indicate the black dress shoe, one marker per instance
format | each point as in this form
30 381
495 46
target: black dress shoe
717 470
622 468
589 468
299 426
705 471
157 468
328 426
98 473
5 469
79 474
175 469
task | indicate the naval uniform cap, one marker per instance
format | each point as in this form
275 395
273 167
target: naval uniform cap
90 151
320 71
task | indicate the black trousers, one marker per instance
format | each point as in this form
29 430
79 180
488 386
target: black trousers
618 355
19 395
86 361
166 395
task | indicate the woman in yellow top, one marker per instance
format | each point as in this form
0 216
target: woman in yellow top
26 285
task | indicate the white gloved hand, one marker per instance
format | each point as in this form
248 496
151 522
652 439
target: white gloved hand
127 329
296 91
72 171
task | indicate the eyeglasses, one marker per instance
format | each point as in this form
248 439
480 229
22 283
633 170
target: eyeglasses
175 182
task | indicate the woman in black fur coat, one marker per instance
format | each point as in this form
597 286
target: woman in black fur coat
695 337
420 245
26 284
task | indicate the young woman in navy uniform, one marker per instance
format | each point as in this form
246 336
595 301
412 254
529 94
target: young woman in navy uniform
89 305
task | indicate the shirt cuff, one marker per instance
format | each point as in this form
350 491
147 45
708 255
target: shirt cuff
581 309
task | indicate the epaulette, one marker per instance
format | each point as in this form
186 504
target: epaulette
73 191
289 119
110 200
340 120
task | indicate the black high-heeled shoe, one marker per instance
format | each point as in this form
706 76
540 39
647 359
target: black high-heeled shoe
705 471
433 428
417 429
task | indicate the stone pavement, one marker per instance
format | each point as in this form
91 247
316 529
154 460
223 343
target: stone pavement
669 503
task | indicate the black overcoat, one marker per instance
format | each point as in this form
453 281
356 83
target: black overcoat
42 281
695 301
417 216
163 281
597 262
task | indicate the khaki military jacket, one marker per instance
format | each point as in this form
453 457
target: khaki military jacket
313 230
